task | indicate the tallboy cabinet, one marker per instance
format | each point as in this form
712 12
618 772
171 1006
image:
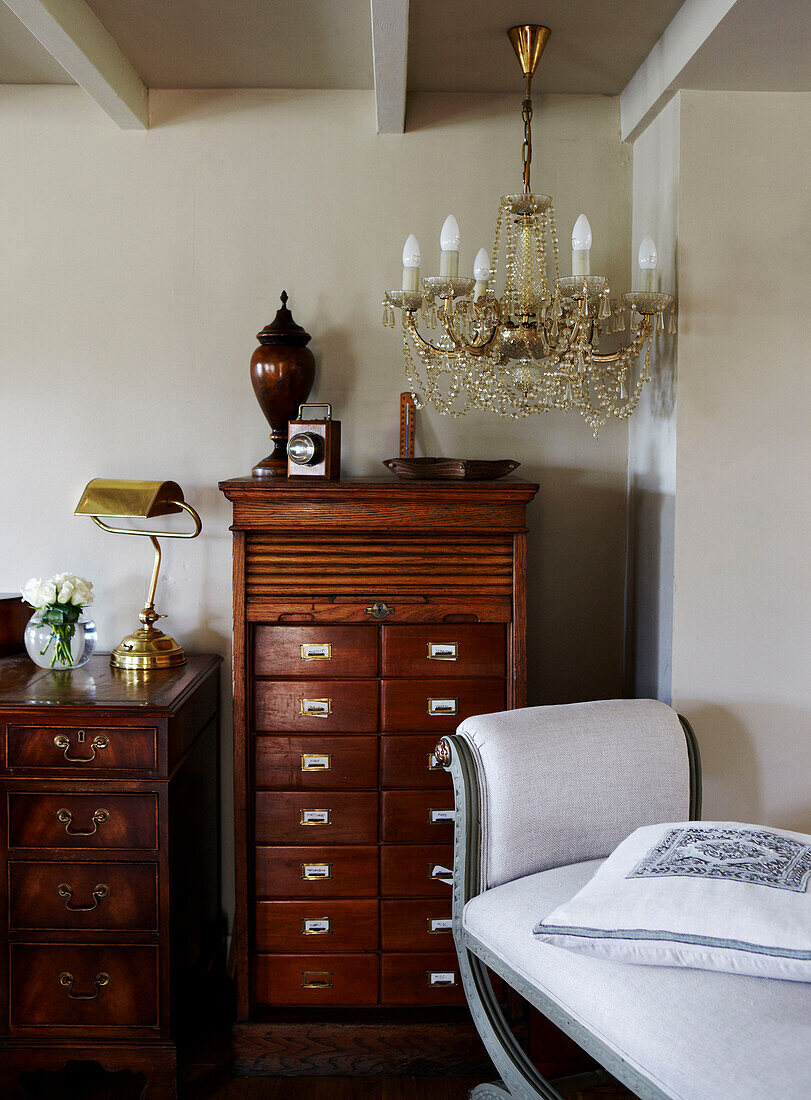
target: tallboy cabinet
370 618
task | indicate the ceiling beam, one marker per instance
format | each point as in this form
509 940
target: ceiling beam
657 78
390 56
72 33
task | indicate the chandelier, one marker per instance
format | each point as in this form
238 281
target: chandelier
537 346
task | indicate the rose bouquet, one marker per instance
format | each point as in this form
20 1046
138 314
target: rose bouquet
60 602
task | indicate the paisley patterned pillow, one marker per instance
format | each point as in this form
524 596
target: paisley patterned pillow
716 895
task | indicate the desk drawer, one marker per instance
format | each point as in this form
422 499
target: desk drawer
407 760
78 896
81 748
329 817
68 820
425 979
437 706
315 706
80 986
316 926
417 817
416 870
316 763
416 925
324 651
317 979
443 650
324 872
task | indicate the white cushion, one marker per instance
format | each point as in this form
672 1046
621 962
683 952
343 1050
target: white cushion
707 894
698 1035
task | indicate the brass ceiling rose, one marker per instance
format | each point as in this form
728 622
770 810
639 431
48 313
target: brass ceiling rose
528 42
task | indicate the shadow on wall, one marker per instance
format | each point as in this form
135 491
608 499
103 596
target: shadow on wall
729 766
576 586
648 642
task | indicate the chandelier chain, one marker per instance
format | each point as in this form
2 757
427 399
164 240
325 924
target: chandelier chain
526 150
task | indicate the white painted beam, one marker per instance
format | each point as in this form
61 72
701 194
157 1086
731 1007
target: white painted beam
72 33
390 56
656 79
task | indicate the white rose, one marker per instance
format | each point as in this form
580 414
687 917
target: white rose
60 578
30 591
66 591
47 594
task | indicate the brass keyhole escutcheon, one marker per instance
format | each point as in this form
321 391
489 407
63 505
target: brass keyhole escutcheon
379 610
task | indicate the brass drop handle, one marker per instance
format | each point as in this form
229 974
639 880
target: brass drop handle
64 817
98 743
100 892
66 979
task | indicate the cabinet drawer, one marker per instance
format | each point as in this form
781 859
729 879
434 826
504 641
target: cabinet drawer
407 760
316 706
315 927
443 650
330 817
78 896
414 706
317 979
316 763
417 817
324 651
418 925
80 986
416 870
425 979
343 872
68 820
81 748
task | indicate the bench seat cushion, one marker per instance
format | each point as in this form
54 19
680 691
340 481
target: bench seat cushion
696 1034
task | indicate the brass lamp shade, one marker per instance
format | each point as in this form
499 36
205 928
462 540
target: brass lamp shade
146 649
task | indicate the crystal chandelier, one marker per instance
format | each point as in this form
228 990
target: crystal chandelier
536 347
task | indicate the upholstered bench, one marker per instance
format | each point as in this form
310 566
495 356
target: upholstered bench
543 795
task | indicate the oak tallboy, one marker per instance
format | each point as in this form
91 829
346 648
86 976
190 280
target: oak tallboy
370 617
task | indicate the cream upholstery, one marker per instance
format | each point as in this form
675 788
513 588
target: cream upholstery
563 784
698 1035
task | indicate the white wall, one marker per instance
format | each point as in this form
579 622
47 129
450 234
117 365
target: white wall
742 607
135 269
652 428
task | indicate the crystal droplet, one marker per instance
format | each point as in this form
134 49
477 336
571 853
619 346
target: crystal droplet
622 391
671 328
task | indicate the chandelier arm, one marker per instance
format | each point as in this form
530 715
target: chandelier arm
626 350
476 348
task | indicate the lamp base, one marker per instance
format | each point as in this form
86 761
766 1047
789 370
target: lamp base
147 650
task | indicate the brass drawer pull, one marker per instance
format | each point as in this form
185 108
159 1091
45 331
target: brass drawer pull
439 817
316 926
316 651
433 764
313 762
64 817
66 979
379 610
315 817
441 977
311 872
97 744
437 707
438 873
443 651
100 892
316 708
316 979
439 924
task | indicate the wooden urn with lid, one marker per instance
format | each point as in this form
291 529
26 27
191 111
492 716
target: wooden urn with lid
282 373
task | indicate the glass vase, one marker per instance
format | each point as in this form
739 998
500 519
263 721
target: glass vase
60 646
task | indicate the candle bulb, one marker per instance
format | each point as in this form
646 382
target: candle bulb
449 243
411 265
581 245
481 272
647 265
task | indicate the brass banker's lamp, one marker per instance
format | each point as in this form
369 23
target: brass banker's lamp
147 648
